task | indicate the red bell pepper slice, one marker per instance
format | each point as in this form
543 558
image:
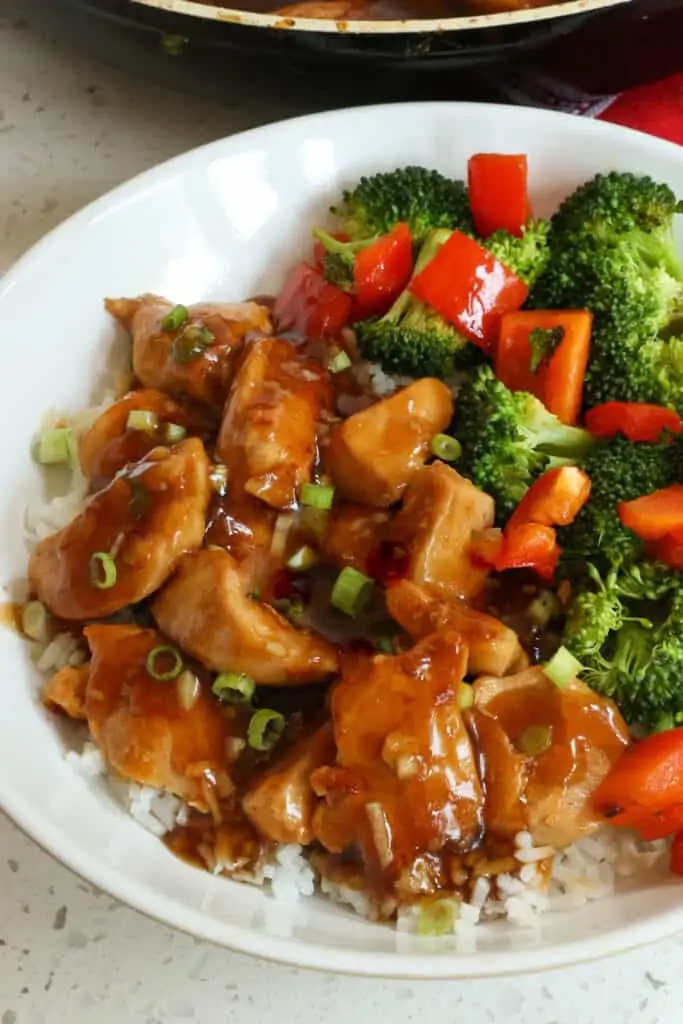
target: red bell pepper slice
660 824
555 499
647 780
381 272
654 515
637 421
470 288
669 550
676 855
558 380
499 195
529 546
310 306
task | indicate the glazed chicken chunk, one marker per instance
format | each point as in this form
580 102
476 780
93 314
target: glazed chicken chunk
198 357
127 539
268 438
206 608
405 782
374 454
493 648
147 728
354 534
280 803
65 691
441 511
545 750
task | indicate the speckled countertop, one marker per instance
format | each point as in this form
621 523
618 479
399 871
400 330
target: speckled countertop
71 128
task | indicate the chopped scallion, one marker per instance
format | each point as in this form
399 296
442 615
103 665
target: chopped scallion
191 343
54 446
265 728
160 656
340 361
437 918
218 478
534 740
302 559
102 570
351 591
234 687
445 447
175 319
465 696
317 496
562 668
35 621
173 432
142 419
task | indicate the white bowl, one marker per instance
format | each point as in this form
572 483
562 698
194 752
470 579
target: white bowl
224 222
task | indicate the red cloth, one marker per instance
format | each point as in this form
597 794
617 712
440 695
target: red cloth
656 109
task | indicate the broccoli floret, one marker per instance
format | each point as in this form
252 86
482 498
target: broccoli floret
424 199
412 338
509 438
619 470
595 611
528 256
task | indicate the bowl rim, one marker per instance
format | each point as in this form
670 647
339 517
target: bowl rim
66 849
280 22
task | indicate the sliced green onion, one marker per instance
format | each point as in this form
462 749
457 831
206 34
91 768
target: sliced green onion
351 591
283 525
234 687
35 621
265 728
175 319
534 740
191 343
544 608
102 570
303 559
317 496
445 447
141 419
173 44
218 478
386 645
437 918
314 521
465 696
164 653
562 668
54 446
339 362
173 432
188 689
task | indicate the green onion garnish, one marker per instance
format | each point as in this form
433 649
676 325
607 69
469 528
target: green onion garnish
544 608
437 918
54 446
303 559
465 696
141 419
218 478
445 447
234 687
339 362
35 621
351 591
534 740
562 668
386 645
173 432
163 654
317 496
175 319
265 728
102 570
190 343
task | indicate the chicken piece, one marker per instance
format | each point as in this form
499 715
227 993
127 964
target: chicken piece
405 782
243 526
127 539
440 512
268 438
492 647
110 444
373 455
172 361
281 802
65 691
354 536
146 729
206 609
572 737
